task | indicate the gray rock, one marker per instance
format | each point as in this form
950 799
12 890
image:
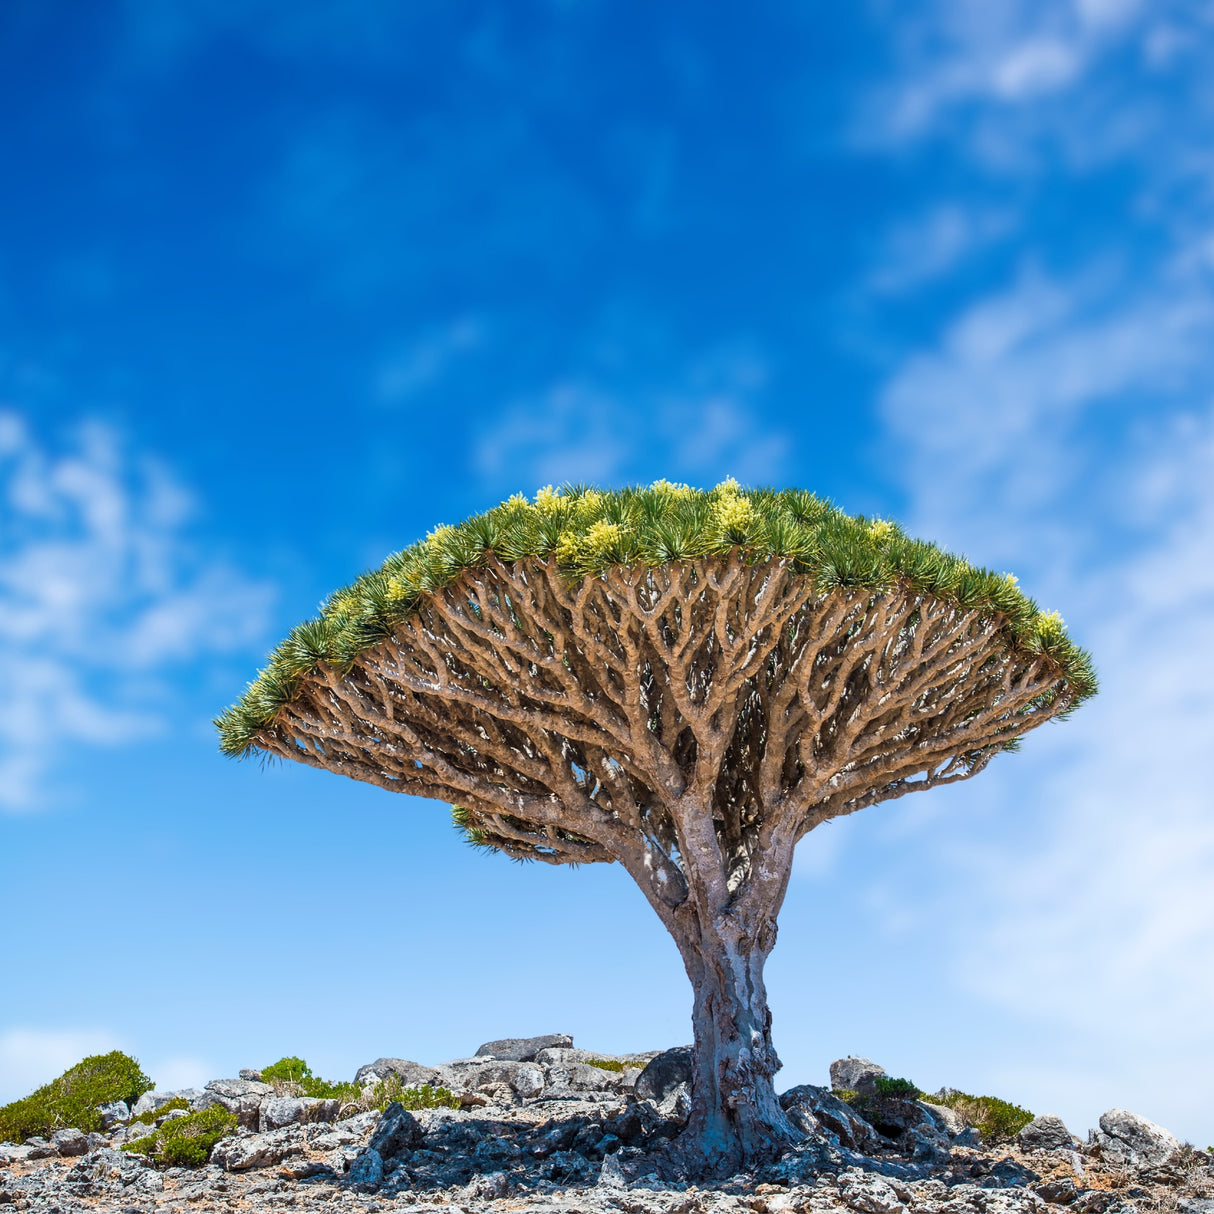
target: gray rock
97 1141
275 1112
367 1168
491 1187
242 1152
1008 1174
253 1076
150 1101
1195 1205
949 1120
113 1114
1128 1139
39 1148
411 1074
664 1073
233 1089
474 1074
869 1193
397 1131
70 1142
524 1049
856 1074
581 1077
1045 1133
814 1109
242 1097
676 1106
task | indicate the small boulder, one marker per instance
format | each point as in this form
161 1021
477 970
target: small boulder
1045 1133
411 1074
39 1148
869 1193
251 1075
524 1049
278 1111
70 1142
245 1151
114 1113
813 1109
1128 1139
242 1097
396 1131
856 1074
367 1168
664 1074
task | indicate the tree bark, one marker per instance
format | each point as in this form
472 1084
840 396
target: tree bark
736 1119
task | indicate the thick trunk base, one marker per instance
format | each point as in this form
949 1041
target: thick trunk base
736 1120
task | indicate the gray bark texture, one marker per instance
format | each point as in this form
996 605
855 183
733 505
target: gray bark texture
691 722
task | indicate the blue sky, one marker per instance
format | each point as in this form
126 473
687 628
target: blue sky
282 286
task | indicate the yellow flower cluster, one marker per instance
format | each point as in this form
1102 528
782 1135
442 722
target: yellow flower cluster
881 530
734 514
599 541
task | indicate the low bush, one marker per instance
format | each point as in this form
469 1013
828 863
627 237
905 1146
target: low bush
72 1099
186 1142
605 1064
847 1095
293 1076
424 1097
993 1118
899 1089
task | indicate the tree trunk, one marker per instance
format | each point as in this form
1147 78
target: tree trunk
736 1119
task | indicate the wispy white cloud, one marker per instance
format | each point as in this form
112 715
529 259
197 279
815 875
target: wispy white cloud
101 592
1064 430
954 55
705 423
929 245
426 359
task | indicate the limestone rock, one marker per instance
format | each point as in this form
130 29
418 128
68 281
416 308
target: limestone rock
664 1073
524 1049
1045 1133
396 1131
1126 1138
275 1112
411 1074
869 1193
367 1168
856 1074
813 1109
245 1151
70 1142
113 1114
242 1097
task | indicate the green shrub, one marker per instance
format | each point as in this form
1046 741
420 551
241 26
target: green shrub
993 1118
286 1070
186 1142
847 1095
424 1097
72 1099
606 1064
154 1115
296 1073
899 1089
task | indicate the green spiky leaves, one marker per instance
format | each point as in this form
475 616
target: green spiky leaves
587 531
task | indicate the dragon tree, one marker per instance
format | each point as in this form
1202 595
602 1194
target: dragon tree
682 682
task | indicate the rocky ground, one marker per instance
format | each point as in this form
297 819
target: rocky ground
539 1127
